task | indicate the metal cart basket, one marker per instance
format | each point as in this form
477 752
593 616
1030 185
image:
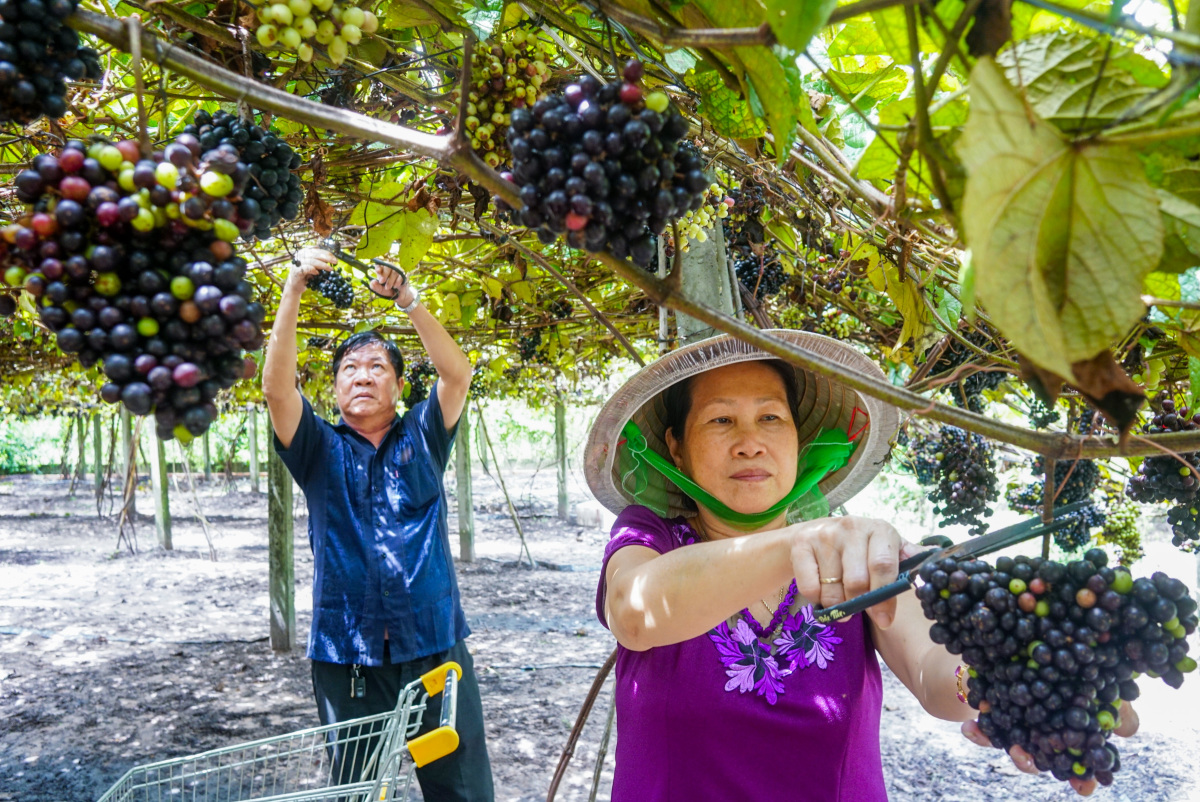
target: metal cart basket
361 760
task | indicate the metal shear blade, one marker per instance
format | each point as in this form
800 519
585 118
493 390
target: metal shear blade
975 547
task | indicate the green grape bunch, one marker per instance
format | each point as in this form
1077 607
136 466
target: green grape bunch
696 224
1121 530
292 24
508 73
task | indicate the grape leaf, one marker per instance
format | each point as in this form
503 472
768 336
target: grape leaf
1061 235
1063 82
418 236
795 23
1181 225
729 114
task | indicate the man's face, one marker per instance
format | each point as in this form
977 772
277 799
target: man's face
366 384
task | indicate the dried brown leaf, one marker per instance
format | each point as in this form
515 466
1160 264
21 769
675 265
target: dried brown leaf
1100 379
319 213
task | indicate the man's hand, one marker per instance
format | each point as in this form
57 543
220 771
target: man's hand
392 284
307 262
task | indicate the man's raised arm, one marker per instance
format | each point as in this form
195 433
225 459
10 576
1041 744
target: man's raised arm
279 372
452 365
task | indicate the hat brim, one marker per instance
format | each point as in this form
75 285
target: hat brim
823 403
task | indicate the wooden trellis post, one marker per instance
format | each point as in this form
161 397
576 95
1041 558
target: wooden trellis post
160 485
81 443
97 448
254 449
129 463
281 572
466 500
207 459
560 453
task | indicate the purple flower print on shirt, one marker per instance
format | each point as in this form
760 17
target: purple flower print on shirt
750 665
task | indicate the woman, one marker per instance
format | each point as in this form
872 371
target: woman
723 465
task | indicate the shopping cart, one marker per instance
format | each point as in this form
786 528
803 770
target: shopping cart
361 760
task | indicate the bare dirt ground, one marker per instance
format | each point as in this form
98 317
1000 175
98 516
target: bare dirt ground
108 660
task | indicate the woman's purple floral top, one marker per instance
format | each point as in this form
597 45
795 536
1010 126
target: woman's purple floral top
696 720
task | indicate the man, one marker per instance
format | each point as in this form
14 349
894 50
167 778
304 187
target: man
385 598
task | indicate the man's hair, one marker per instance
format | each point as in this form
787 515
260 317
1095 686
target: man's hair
678 398
356 342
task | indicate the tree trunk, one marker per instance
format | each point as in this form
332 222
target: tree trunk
207 460
466 500
280 531
97 449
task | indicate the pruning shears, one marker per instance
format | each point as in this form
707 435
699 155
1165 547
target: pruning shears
975 547
333 246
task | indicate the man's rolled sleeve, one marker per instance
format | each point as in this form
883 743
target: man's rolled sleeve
307 448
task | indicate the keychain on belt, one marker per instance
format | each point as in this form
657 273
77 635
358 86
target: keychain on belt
358 683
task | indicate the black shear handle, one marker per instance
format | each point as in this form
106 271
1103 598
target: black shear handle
859 603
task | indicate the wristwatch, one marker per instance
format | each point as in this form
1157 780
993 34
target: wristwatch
416 299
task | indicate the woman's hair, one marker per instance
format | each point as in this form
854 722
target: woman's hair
678 397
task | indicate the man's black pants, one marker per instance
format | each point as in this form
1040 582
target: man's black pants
465 775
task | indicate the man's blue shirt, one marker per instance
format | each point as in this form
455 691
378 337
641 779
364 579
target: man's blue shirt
377 528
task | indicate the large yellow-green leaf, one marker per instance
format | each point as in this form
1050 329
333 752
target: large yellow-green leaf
1062 78
417 237
795 23
880 160
876 81
729 114
1062 236
384 223
1181 225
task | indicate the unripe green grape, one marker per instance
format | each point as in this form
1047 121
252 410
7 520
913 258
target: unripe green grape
353 15
657 101
125 180
282 14
335 13
290 38
305 52
300 8
351 33
218 185
338 50
110 158
370 22
267 35
225 229
322 5
167 174
144 220
265 14
325 32
307 27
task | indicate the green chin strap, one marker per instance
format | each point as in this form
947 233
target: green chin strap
828 452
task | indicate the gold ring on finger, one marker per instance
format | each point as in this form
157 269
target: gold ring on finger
833 580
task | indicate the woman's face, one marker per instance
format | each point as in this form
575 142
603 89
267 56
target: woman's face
740 442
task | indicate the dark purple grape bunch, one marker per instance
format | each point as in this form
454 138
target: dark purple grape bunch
1076 480
560 309
38 55
529 347
761 275
419 380
603 164
334 286
922 457
114 271
273 193
968 391
1166 478
966 479
1054 648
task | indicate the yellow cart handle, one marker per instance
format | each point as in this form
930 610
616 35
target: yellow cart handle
442 741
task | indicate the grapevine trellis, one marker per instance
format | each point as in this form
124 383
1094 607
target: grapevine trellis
851 178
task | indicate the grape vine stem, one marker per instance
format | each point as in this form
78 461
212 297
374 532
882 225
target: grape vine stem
443 149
